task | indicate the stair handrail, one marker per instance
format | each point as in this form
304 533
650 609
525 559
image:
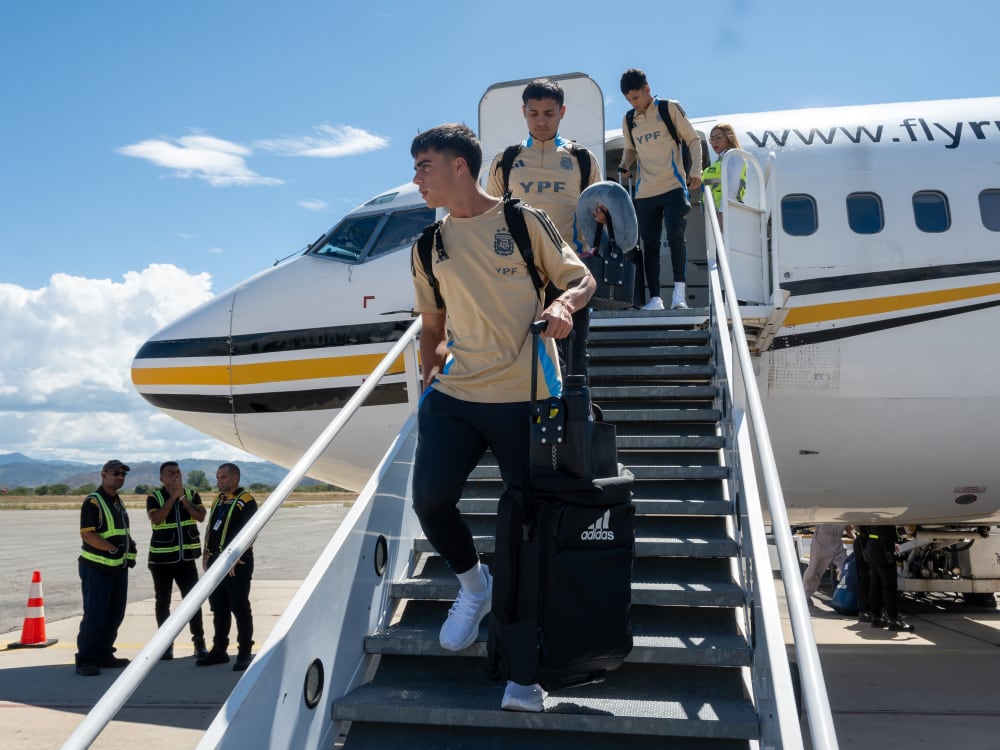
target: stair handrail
122 688
813 685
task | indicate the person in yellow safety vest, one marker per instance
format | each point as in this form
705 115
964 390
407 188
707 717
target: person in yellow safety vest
108 552
175 547
231 510
722 138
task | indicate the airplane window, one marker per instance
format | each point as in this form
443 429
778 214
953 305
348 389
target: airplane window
798 215
864 213
989 209
348 239
930 211
402 230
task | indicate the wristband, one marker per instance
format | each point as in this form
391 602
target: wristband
568 308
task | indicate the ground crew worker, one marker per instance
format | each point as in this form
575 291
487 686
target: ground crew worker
827 547
231 510
108 553
881 557
175 545
864 576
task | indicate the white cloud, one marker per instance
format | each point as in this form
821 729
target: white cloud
219 162
313 204
216 250
329 141
65 385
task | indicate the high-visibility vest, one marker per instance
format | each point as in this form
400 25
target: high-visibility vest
224 531
176 538
111 533
712 176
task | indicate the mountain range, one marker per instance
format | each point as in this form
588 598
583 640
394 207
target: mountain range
18 470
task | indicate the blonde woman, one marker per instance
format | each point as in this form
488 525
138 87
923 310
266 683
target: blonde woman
722 138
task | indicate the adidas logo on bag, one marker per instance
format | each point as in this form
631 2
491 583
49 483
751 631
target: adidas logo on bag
598 531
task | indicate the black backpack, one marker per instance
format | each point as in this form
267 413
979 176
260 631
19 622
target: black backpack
664 106
510 153
513 209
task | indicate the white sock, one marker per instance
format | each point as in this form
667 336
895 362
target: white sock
473 580
679 288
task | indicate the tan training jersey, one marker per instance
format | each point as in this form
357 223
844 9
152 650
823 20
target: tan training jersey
660 164
490 301
546 175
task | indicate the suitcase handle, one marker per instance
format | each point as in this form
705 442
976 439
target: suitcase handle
600 227
535 329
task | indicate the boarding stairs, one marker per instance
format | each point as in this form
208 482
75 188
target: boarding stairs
687 680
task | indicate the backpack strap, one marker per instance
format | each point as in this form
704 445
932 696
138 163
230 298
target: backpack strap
584 160
507 163
664 107
513 212
428 238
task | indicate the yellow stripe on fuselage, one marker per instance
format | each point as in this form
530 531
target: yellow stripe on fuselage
798 316
263 372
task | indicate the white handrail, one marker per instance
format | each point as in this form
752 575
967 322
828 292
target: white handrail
813 686
121 689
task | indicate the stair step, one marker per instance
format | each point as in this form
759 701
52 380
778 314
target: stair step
364 736
661 635
617 415
636 699
653 392
616 373
657 352
657 506
599 337
656 581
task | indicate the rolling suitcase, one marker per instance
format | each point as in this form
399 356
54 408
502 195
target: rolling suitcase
562 570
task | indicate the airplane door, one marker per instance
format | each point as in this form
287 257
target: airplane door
501 122
744 233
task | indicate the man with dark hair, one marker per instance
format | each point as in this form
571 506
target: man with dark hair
549 172
175 545
108 552
231 510
478 399
653 145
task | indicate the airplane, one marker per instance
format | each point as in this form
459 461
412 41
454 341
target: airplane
867 253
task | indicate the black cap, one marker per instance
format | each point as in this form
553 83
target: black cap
114 464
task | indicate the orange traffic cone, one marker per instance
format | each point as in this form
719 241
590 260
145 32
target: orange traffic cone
33 632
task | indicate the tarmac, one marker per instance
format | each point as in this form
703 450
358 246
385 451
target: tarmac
933 688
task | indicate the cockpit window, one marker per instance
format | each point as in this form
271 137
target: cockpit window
402 230
348 239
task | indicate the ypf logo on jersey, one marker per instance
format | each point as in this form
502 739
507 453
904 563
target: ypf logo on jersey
598 531
503 243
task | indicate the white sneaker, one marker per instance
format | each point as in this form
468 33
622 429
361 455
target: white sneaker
677 302
654 304
462 626
529 698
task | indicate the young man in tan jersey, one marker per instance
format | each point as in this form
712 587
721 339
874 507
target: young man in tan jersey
661 194
547 174
476 359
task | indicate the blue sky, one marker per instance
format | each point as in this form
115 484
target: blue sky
158 153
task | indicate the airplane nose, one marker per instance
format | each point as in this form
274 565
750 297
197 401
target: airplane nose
184 369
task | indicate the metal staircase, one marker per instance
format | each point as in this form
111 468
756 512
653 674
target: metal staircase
687 682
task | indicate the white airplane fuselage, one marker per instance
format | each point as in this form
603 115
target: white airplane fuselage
879 390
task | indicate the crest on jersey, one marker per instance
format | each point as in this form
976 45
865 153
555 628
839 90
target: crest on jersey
503 243
566 163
